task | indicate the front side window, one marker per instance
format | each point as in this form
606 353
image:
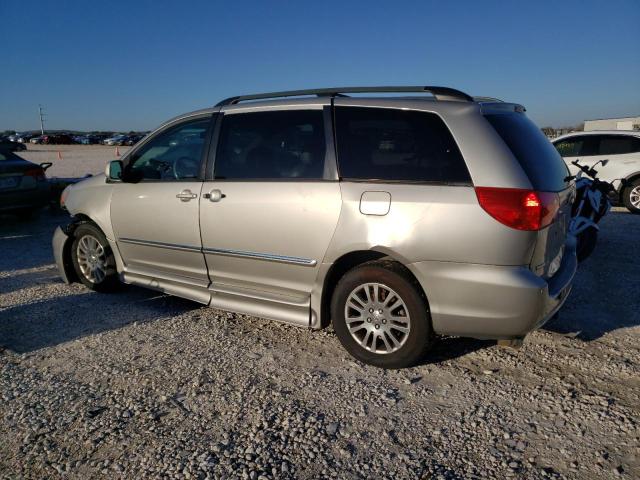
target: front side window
570 147
397 145
582 146
271 145
174 154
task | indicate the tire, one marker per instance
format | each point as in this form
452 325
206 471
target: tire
631 197
91 249
379 349
587 241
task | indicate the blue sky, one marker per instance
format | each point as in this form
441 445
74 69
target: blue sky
131 65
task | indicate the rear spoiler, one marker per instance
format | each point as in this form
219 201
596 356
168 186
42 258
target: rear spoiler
498 106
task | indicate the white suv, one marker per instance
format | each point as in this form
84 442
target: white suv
621 148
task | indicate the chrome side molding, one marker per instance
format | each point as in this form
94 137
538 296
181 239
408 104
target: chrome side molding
171 246
305 262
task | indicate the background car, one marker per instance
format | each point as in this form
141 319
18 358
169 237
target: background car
23 184
133 139
620 147
57 139
115 140
12 146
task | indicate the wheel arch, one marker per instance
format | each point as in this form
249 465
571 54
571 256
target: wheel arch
349 261
67 263
623 185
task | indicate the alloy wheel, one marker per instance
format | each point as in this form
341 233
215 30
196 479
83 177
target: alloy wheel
634 196
377 318
91 259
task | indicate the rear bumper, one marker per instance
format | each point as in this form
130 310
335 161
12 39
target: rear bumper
34 198
493 302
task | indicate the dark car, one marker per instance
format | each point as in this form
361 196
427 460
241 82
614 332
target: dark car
58 139
7 145
132 139
23 184
92 139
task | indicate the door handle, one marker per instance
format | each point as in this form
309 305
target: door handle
214 195
186 195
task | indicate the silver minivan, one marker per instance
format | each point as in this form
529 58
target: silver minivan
392 218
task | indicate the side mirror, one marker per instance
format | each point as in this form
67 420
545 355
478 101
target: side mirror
113 171
605 161
45 165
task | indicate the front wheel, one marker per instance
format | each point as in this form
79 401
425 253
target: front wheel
631 197
380 316
93 259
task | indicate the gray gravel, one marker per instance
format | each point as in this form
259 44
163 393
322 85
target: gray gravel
137 384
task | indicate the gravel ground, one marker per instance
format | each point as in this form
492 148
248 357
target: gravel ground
137 384
74 161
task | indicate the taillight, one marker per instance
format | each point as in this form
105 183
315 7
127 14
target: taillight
519 208
37 173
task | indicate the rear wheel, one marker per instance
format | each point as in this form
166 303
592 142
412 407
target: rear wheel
631 197
380 316
93 259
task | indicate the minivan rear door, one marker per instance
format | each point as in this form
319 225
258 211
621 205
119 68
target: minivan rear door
269 207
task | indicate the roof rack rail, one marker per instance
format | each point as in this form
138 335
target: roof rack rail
440 93
487 100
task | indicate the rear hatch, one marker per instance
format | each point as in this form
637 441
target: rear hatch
17 174
547 173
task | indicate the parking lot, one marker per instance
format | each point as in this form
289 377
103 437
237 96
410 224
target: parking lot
72 160
138 383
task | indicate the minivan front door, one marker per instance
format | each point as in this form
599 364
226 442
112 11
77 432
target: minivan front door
155 212
269 214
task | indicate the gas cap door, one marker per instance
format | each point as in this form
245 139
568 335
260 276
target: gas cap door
375 203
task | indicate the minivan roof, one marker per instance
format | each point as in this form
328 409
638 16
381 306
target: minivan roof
439 94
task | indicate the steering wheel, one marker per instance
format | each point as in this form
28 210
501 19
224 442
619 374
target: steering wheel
185 167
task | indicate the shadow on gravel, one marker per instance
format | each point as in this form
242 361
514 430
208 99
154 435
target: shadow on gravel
32 326
19 281
606 289
26 242
450 348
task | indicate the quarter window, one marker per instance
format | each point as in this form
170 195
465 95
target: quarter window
618 145
175 154
396 145
271 145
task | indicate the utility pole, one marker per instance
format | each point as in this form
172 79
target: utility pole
42 115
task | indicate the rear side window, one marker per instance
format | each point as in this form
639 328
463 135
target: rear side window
538 157
271 145
618 145
397 145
